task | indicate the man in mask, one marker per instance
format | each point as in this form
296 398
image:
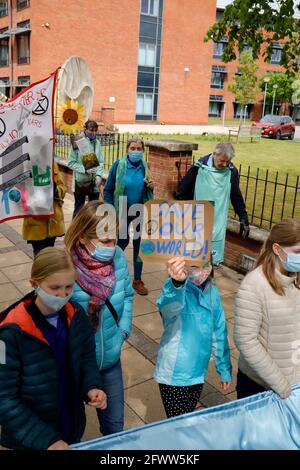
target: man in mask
214 178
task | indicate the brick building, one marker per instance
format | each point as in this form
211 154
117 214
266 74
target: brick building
147 57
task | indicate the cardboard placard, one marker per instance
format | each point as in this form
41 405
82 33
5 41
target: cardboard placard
177 228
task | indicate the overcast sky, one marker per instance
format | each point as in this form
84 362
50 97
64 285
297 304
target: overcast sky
224 3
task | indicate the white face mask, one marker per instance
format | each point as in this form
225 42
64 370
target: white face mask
198 276
52 301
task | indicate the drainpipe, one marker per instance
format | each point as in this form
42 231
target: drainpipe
11 55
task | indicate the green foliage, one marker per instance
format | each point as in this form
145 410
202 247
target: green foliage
245 85
260 24
284 90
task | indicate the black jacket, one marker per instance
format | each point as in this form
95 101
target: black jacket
29 381
187 188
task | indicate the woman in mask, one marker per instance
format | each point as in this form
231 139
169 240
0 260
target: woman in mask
49 365
194 329
267 316
104 291
86 161
129 183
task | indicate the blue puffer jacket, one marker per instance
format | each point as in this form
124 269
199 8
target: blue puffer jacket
194 329
109 337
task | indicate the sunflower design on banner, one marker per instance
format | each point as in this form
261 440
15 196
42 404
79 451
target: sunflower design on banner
70 117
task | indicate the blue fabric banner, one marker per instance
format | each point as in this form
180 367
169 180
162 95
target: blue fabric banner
261 422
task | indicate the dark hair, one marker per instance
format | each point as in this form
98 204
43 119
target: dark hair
136 140
90 123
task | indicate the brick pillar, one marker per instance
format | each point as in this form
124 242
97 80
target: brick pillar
108 116
166 159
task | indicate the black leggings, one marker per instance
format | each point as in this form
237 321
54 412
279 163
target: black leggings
245 387
179 400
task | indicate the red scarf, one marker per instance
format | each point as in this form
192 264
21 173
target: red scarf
96 278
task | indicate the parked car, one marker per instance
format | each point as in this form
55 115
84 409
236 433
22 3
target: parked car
277 127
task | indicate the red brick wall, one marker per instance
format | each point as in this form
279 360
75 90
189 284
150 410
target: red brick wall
164 171
106 34
183 96
235 247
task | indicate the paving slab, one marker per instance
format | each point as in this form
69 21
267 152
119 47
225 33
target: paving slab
136 368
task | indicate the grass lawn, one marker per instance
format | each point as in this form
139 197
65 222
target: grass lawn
277 161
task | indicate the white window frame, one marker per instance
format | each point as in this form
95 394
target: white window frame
155 4
147 47
143 95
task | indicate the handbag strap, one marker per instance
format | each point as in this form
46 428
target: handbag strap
112 311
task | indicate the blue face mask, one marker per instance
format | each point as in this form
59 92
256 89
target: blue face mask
103 253
136 155
292 263
90 135
52 301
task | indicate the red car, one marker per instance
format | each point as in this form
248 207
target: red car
277 127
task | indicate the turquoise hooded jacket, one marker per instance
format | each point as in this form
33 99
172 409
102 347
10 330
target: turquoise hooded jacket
109 336
194 330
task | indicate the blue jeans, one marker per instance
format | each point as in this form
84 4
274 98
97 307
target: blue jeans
123 243
111 420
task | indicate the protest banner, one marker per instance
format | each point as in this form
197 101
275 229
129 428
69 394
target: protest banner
26 152
177 228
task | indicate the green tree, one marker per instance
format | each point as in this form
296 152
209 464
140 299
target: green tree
284 91
245 85
260 23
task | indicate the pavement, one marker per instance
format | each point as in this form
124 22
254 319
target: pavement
142 399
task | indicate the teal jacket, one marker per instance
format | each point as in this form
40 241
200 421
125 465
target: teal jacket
109 337
75 163
194 329
29 381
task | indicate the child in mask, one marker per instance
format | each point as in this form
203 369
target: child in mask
49 365
87 171
194 329
104 291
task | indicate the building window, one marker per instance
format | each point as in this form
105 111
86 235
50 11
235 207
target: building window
21 4
144 104
217 77
246 47
23 42
149 7
276 54
219 15
4 86
23 82
3 8
215 106
147 53
241 111
4 48
219 48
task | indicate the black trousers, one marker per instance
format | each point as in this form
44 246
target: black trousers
38 245
246 387
80 200
179 400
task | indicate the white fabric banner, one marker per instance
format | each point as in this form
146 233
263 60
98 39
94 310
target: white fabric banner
26 152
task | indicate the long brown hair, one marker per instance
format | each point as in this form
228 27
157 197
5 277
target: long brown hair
49 261
285 233
85 225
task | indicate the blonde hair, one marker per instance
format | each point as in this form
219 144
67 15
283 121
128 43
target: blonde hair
285 233
50 261
84 225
